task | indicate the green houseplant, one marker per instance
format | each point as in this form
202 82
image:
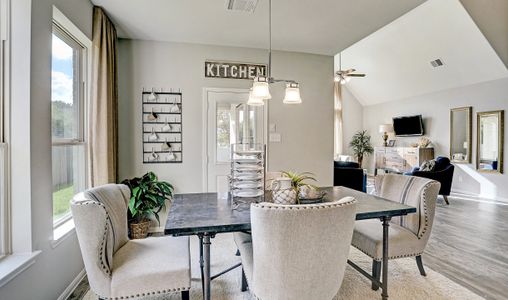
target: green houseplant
298 181
148 198
361 145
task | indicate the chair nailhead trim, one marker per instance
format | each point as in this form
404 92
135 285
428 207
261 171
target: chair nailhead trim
180 289
104 266
425 212
389 257
302 207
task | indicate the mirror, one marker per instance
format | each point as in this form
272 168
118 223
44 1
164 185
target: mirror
490 140
460 134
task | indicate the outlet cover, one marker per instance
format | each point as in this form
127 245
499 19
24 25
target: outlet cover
275 137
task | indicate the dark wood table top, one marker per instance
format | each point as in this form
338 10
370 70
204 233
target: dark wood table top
191 214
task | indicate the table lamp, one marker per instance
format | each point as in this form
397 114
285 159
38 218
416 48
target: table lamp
384 129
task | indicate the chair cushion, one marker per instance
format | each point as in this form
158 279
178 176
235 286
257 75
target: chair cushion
151 266
368 238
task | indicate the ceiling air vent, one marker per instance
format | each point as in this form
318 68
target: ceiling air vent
437 63
242 5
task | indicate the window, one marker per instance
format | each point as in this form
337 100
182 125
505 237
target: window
68 76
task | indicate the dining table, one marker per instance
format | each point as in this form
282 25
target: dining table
206 215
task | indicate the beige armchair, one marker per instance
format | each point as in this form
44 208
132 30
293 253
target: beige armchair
119 268
293 247
408 235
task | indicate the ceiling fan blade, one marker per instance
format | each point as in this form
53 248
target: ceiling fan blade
349 71
356 75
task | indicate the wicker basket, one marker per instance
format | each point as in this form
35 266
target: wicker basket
139 230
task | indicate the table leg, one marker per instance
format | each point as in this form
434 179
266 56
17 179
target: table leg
201 262
206 258
386 226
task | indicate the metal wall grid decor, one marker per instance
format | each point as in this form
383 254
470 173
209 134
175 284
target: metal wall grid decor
162 126
233 70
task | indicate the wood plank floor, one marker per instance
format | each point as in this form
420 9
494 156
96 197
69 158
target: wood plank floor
469 245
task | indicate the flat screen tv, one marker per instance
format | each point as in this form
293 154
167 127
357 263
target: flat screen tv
408 125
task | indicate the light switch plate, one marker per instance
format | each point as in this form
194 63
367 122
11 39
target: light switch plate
275 137
272 128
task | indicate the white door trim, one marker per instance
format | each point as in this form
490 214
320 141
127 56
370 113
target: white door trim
204 153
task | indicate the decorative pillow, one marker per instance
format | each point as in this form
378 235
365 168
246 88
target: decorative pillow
428 166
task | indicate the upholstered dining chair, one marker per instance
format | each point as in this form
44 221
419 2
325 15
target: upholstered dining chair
119 268
297 251
408 235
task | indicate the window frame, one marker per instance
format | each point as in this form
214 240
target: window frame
69 33
5 223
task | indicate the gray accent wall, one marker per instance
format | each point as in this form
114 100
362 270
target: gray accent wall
306 129
435 109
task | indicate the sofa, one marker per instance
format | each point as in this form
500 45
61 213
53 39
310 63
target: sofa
349 174
442 172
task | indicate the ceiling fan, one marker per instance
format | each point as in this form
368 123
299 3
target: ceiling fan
344 76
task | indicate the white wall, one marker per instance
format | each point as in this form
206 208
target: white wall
306 129
435 109
54 269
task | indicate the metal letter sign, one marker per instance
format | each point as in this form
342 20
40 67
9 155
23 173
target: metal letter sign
232 70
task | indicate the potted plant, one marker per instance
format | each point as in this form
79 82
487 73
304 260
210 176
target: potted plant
361 145
148 198
298 182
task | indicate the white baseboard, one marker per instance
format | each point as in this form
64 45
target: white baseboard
458 193
68 291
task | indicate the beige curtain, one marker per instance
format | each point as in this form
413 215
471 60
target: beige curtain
103 132
338 134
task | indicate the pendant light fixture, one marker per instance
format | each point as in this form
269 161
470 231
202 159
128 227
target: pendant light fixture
292 94
261 86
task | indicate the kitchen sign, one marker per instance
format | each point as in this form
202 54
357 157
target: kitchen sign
232 70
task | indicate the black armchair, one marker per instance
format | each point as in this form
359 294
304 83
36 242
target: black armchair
349 174
443 172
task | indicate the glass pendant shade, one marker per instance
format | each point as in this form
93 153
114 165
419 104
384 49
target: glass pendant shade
260 88
254 101
343 80
336 78
292 94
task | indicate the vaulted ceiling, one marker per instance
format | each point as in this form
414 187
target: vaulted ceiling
322 27
397 58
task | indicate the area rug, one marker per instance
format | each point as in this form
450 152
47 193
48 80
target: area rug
405 282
